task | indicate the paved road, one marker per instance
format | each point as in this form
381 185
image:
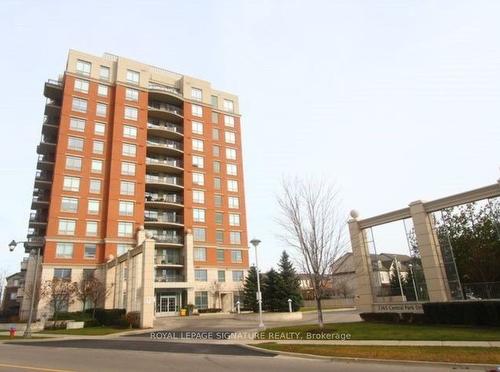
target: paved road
125 355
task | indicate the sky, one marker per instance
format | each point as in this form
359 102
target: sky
392 101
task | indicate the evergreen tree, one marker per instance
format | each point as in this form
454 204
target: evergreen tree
273 291
291 283
250 290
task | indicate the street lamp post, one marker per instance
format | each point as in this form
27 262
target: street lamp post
255 243
27 332
413 280
399 278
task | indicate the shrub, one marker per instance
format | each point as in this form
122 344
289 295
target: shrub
381 317
481 313
109 317
134 319
78 316
91 323
205 311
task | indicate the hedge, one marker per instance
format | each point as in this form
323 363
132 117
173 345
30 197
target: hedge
205 311
481 313
393 317
109 317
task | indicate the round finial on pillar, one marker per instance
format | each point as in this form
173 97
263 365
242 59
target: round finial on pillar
188 231
111 257
141 228
354 214
149 234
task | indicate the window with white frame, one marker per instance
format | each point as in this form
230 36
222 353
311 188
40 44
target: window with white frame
91 228
102 90
230 153
93 206
231 169
219 218
233 202
235 238
79 105
215 134
128 169
98 147
66 227
200 275
230 137
216 166
81 86
125 229
221 276
237 275
215 117
64 250
129 131
90 251
228 105
122 248
77 124
197 145
83 67
234 219
95 186
201 300
104 73
232 185
198 161
196 94
199 234
69 205
236 256
197 127
99 128
126 208
96 166
218 200
73 163
220 255
200 254
214 101
198 196
131 94
197 110
64 274
127 188
129 149
229 121
101 109
131 113
219 236
71 183
133 76
215 151
198 215
75 143
198 179
217 183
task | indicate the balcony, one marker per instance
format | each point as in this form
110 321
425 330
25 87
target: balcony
153 217
169 278
164 129
40 201
164 147
43 179
45 162
169 260
52 107
163 238
37 219
47 145
50 126
53 89
33 242
163 200
168 164
171 182
165 111
165 93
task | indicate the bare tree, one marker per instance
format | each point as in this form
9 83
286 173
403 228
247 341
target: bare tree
215 290
3 276
60 293
91 289
314 225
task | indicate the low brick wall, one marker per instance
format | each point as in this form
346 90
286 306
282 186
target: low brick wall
270 317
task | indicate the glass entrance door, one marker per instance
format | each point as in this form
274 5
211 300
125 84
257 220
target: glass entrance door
168 304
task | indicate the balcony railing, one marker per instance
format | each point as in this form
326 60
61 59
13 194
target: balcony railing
164 125
43 176
162 217
176 199
47 158
172 278
164 143
165 88
169 260
173 162
173 239
40 198
164 180
55 82
36 217
165 107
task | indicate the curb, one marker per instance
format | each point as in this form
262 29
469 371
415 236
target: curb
370 360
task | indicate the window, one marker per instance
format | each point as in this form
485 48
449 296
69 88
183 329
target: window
215 134
219 218
77 124
215 118
235 238
228 105
198 161
98 147
230 154
122 248
73 163
64 274
125 229
129 150
219 236
131 113
214 101
199 234
104 73
198 196
127 188
99 129
71 183
96 166
129 131
131 94
201 300
88 274
75 143
198 179
216 166
232 185
81 86
128 169
197 127
200 254
197 145
233 202
89 251
64 250
230 137
83 67
215 151
197 110
229 121
221 276
200 275
231 170
95 186
13 296
196 94
217 183
218 201
67 227
91 228
220 255
101 109
126 208
93 206
102 90
69 205
132 76
79 105
237 275
234 219
198 215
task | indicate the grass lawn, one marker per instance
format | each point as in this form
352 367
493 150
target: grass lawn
313 308
481 355
384 331
89 331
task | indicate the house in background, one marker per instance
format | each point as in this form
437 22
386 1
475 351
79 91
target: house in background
13 292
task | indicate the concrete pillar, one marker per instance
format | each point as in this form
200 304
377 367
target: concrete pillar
130 282
189 265
362 265
430 253
148 295
110 285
